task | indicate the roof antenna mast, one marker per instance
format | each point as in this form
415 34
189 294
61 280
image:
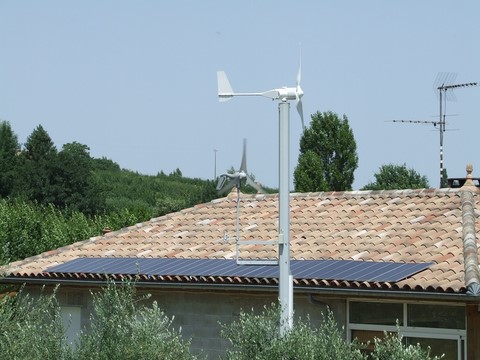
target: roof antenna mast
444 82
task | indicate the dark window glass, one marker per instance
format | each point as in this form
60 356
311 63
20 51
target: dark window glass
376 313
436 316
437 347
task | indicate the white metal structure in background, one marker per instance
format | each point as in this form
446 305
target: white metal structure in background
225 183
284 95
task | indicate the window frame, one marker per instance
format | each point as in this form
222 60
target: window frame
460 335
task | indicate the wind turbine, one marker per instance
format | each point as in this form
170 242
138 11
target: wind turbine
284 95
225 92
227 181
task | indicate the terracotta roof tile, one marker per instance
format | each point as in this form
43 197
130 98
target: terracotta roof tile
401 226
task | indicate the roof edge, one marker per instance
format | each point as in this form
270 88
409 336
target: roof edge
336 292
470 251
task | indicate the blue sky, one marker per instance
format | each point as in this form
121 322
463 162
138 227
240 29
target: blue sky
136 80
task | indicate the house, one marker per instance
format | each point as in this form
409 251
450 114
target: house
373 257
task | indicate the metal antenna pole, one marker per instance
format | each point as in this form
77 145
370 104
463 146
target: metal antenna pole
285 278
442 89
441 125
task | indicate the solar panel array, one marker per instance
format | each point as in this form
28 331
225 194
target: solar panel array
347 270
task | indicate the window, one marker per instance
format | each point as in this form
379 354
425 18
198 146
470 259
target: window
71 316
379 314
440 327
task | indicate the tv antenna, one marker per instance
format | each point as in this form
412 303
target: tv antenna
284 95
444 84
441 128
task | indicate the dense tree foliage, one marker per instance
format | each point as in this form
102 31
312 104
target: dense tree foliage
328 155
28 229
9 147
37 171
71 180
444 181
75 186
51 198
150 196
31 328
397 177
122 327
256 336
127 326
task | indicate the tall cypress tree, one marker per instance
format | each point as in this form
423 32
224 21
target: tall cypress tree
38 167
9 148
328 155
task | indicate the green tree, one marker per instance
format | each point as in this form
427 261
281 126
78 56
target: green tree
9 147
309 174
75 185
256 336
390 347
397 177
38 167
328 155
444 182
31 328
122 327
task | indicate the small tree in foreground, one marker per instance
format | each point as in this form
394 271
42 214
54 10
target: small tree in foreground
256 336
31 328
390 347
123 328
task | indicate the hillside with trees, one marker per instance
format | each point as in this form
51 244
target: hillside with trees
51 198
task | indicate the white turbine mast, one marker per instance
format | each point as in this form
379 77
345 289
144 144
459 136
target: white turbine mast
284 95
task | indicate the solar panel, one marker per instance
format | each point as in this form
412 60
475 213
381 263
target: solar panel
348 270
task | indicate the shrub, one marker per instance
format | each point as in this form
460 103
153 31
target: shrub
392 348
122 328
31 328
256 336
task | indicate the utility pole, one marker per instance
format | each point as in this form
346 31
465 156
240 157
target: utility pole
215 163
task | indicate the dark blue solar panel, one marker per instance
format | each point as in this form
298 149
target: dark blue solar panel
348 270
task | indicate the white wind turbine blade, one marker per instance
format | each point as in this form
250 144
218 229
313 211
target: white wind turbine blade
255 185
243 164
299 93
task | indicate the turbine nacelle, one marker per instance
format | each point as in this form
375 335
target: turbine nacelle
225 92
227 181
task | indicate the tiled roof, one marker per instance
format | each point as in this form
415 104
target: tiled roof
392 226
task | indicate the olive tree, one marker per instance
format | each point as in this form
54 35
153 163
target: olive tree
123 327
256 336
